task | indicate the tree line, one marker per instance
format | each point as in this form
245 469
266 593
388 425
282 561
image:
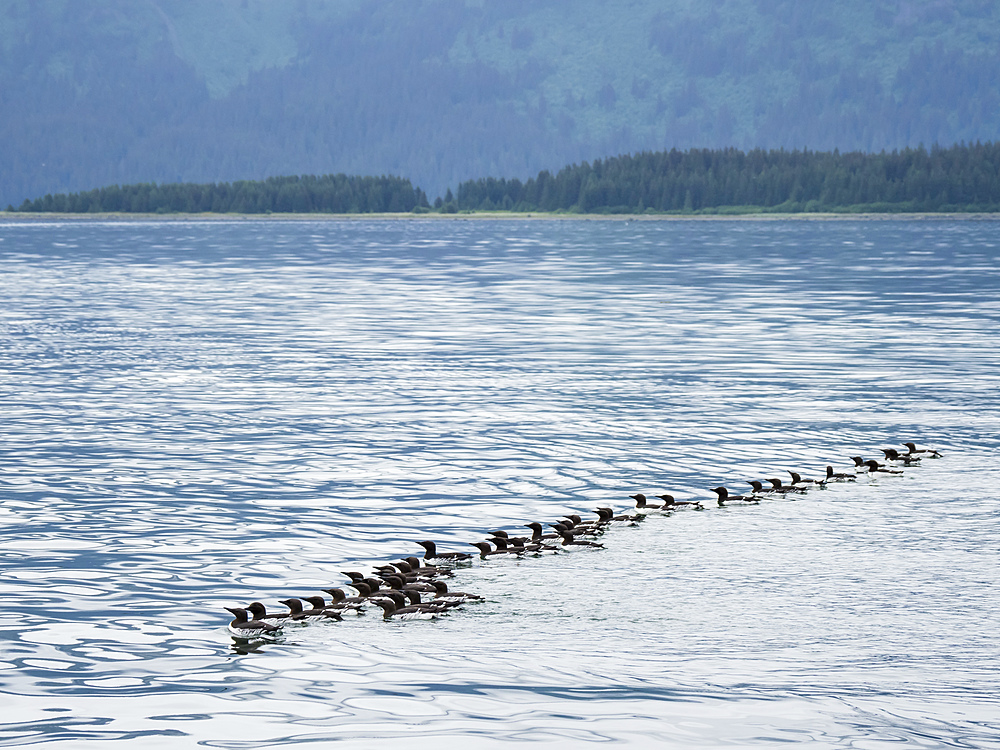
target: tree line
958 178
339 194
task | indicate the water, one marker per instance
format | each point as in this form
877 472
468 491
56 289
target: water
200 414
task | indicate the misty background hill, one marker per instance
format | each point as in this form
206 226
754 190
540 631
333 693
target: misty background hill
102 92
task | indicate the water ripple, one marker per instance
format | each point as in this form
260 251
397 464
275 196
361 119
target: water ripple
199 414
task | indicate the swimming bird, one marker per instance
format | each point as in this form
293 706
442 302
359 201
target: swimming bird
398 582
931 453
391 611
485 550
797 478
641 504
578 523
609 515
458 596
428 570
598 522
891 454
440 606
295 613
361 587
537 534
244 627
373 592
577 527
321 609
725 497
515 544
861 463
670 504
567 524
431 553
569 541
561 527
831 477
523 545
298 614
374 585
875 466
402 570
345 604
777 486
408 570
259 612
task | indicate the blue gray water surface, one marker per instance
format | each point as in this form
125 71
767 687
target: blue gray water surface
200 414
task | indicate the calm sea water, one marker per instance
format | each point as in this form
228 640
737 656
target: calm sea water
199 414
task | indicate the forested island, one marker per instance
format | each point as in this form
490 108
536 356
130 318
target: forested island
961 178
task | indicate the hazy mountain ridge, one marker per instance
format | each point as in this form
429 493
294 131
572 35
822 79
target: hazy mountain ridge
441 91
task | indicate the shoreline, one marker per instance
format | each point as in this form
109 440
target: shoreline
27 217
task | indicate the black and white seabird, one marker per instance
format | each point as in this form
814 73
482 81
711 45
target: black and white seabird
891 454
931 453
513 544
362 588
599 523
669 503
579 523
725 497
524 545
321 608
832 477
373 592
567 524
391 611
440 606
609 515
537 534
642 505
401 571
259 612
431 553
876 467
244 627
298 614
427 570
400 583
485 550
861 463
570 543
444 594
777 486
346 605
798 479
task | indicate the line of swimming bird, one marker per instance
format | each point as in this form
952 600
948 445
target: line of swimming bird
399 589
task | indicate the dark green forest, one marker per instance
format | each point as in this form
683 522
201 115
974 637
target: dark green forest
959 178
338 194
446 91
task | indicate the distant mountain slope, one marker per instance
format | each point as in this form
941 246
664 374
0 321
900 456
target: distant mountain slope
442 91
